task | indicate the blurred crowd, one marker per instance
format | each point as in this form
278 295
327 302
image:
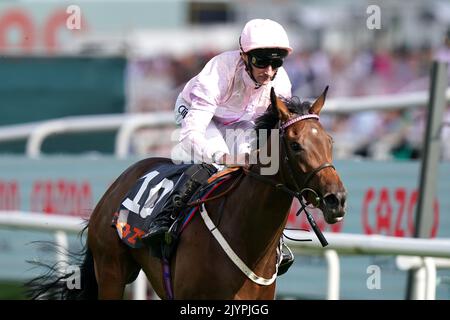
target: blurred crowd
154 83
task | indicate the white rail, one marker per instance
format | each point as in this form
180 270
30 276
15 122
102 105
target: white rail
425 275
127 124
373 244
378 103
60 225
128 127
424 255
40 221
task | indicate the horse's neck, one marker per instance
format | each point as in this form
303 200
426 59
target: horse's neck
261 211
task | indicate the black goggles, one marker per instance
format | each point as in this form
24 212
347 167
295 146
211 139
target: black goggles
262 63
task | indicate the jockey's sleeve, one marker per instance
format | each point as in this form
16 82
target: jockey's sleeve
205 93
193 136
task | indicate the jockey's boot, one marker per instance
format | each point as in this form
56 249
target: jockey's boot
191 180
287 258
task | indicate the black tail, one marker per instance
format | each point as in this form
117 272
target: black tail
66 282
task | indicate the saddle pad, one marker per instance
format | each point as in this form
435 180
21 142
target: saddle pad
144 201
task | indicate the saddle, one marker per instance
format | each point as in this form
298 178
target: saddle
143 204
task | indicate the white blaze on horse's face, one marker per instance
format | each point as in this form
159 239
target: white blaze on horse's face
314 146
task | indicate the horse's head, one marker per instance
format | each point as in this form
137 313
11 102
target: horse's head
306 155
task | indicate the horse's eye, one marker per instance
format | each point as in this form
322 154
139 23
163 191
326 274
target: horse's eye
296 147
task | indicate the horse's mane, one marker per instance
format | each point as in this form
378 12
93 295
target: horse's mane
269 119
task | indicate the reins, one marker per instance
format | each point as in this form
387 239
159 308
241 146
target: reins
299 192
297 195
198 202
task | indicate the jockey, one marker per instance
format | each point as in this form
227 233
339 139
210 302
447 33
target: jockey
231 91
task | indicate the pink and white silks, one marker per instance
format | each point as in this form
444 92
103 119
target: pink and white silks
222 96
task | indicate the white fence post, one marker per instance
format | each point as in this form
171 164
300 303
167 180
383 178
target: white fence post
430 271
61 253
333 274
420 283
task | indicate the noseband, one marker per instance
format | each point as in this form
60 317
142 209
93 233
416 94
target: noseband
298 192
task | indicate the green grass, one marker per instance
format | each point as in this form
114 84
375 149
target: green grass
11 290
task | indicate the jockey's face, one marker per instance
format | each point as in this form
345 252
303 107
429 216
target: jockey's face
264 64
263 75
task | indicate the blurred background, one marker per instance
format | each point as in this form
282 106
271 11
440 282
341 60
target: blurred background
87 87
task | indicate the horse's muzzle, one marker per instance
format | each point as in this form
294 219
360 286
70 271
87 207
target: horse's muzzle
334 204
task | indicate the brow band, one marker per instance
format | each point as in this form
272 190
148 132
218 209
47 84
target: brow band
299 118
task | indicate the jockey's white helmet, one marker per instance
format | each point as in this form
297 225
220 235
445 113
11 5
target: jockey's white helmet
264 33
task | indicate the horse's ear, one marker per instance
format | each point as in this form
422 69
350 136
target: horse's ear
283 111
318 104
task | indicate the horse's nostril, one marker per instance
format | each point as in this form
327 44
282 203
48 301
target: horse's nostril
331 201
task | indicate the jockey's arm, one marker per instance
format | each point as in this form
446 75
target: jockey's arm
205 92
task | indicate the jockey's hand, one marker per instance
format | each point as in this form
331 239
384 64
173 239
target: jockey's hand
240 160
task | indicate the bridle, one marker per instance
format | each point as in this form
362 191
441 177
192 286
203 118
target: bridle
298 191
288 163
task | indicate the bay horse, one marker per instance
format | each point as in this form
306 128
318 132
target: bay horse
252 218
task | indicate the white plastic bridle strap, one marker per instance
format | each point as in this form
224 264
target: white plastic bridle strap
231 254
